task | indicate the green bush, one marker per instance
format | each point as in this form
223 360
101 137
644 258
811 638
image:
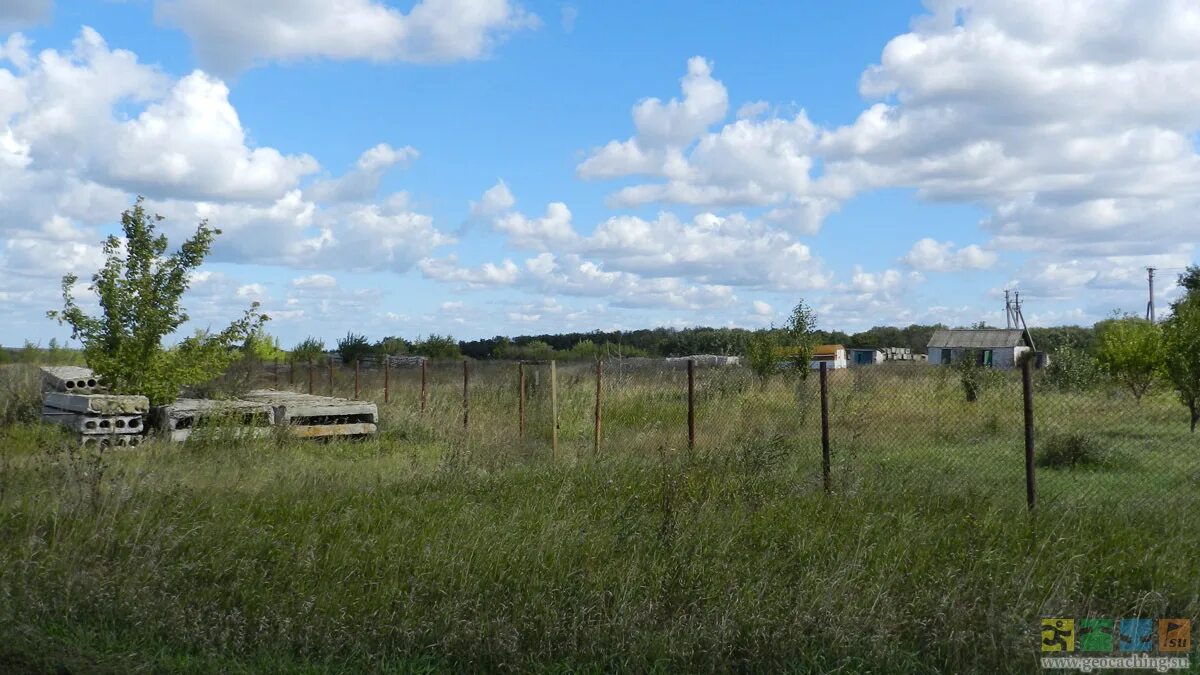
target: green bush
1073 451
20 394
1073 369
354 347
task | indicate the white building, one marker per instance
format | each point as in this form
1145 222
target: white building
832 355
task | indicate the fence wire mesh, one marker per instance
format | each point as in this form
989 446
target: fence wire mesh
894 426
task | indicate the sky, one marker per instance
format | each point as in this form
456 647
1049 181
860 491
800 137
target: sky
491 167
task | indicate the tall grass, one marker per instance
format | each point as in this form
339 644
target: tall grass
433 548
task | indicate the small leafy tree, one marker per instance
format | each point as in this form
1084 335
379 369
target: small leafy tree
1072 369
392 346
801 336
975 377
308 350
1130 349
262 347
762 355
353 347
438 347
1181 337
139 289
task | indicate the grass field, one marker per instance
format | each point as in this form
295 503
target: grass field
433 548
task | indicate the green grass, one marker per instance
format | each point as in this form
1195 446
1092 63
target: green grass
431 549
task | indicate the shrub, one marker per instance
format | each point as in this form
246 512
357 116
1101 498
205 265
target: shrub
20 394
1072 451
1072 369
761 356
354 347
974 376
308 350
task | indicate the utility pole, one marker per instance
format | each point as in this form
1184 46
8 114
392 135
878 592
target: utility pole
1007 310
1150 305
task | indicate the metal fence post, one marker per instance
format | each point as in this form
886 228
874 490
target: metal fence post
521 400
691 402
825 461
291 372
310 377
331 376
466 393
554 409
424 382
1027 390
599 409
276 373
356 378
387 378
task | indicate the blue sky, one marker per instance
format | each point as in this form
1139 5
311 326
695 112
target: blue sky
482 167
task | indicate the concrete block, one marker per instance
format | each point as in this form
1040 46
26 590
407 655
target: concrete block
94 424
327 430
291 408
179 420
102 442
100 404
71 379
311 416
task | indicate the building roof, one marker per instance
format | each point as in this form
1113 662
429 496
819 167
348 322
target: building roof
827 350
979 338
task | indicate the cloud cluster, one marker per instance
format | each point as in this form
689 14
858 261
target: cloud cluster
229 36
70 159
1073 124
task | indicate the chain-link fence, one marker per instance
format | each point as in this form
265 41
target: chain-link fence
910 426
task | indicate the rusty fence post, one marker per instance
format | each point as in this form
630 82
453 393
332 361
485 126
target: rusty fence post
466 394
521 400
596 433
424 382
691 394
310 377
554 409
387 378
825 459
1030 476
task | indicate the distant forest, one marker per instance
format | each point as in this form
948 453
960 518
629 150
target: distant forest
656 342
687 341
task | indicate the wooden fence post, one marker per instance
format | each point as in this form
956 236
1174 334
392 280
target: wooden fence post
1030 476
691 418
466 393
310 377
554 409
387 378
521 400
424 381
825 458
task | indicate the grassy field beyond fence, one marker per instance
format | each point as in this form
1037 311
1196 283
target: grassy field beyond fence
437 548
